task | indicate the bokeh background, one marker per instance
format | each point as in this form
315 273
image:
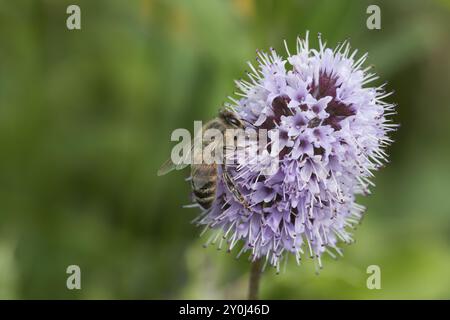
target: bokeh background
86 118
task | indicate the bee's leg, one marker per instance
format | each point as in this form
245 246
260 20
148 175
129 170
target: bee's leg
231 186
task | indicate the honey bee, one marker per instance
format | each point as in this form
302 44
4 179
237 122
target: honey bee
203 175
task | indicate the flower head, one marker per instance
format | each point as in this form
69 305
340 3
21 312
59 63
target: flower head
332 132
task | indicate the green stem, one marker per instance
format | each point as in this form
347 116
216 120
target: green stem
255 276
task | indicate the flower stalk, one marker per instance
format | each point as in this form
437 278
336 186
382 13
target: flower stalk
255 277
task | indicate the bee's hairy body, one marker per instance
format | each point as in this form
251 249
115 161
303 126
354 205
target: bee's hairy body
204 176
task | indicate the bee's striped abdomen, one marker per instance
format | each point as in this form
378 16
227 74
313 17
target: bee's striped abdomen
204 180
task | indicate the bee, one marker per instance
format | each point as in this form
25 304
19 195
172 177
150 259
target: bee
203 175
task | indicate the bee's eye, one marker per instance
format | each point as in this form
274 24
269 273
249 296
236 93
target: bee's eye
233 121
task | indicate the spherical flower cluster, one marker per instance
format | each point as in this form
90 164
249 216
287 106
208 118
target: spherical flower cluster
332 134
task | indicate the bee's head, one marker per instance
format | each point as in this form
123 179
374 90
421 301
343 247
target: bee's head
231 118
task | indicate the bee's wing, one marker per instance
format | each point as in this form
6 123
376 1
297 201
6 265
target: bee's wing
166 167
169 165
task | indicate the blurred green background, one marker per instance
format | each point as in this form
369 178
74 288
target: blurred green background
86 118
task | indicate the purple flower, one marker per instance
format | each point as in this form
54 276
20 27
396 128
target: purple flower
332 132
